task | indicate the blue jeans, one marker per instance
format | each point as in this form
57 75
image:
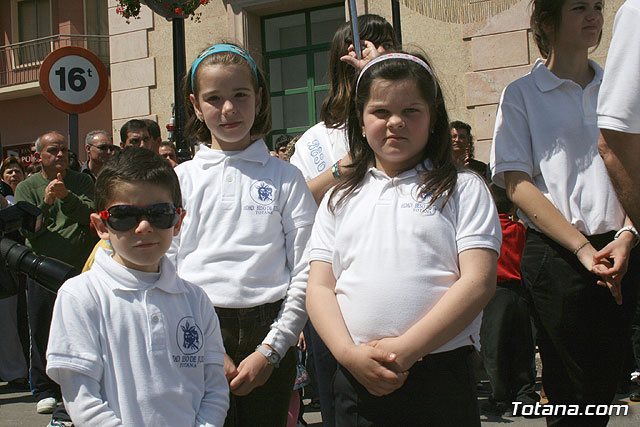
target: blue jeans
242 330
581 331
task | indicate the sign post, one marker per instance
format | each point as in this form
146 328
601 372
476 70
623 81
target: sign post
74 80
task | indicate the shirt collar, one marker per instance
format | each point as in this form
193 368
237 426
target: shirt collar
119 277
256 152
417 170
547 81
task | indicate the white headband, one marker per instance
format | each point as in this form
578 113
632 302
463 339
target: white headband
404 56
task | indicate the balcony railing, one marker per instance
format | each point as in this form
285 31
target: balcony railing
20 62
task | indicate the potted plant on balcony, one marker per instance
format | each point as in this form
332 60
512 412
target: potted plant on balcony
169 9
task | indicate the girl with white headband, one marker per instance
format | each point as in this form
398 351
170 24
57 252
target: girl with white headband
403 258
249 217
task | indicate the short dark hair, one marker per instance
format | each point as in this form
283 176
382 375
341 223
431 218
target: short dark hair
131 125
457 124
153 128
135 165
282 141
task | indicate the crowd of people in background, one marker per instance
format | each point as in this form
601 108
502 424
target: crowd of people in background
375 242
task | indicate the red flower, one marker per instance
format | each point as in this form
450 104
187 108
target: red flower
178 11
203 2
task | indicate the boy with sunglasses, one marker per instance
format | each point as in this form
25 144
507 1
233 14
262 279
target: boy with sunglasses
131 343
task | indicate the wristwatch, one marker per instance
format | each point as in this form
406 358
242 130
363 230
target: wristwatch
272 357
633 231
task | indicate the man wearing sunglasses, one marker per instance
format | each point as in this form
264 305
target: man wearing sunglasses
65 198
100 147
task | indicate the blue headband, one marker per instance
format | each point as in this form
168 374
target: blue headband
217 48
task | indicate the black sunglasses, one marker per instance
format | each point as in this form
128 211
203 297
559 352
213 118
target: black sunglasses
106 147
126 217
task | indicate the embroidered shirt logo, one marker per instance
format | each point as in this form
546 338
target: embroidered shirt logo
421 204
188 336
263 192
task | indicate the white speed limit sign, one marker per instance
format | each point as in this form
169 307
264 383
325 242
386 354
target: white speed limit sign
73 79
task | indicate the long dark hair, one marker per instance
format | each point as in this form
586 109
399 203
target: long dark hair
441 179
374 28
198 129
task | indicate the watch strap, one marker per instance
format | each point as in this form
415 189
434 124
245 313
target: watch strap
273 358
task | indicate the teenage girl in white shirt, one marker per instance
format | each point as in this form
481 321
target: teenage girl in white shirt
249 216
403 258
545 155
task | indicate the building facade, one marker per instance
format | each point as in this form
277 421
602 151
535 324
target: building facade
30 30
474 60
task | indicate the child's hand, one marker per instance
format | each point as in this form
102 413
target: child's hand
230 370
369 52
367 365
403 361
253 372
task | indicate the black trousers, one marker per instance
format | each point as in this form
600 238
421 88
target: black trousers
242 330
582 332
439 391
508 348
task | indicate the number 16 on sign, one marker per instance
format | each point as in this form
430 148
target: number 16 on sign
74 80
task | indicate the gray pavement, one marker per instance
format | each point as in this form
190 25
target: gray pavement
18 409
314 419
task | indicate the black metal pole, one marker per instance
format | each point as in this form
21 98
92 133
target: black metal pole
395 16
73 133
179 70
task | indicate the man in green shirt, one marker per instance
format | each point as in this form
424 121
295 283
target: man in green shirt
66 200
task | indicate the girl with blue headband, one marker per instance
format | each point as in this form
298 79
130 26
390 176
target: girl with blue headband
403 258
249 216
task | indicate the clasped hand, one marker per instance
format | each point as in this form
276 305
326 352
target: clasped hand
610 264
376 367
55 190
251 373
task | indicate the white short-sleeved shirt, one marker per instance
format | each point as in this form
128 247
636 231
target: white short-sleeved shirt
318 149
241 206
546 127
619 101
393 258
144 337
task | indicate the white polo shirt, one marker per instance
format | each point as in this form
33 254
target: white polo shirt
546 127
393 259
619 101
146 338
244 238
318 149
